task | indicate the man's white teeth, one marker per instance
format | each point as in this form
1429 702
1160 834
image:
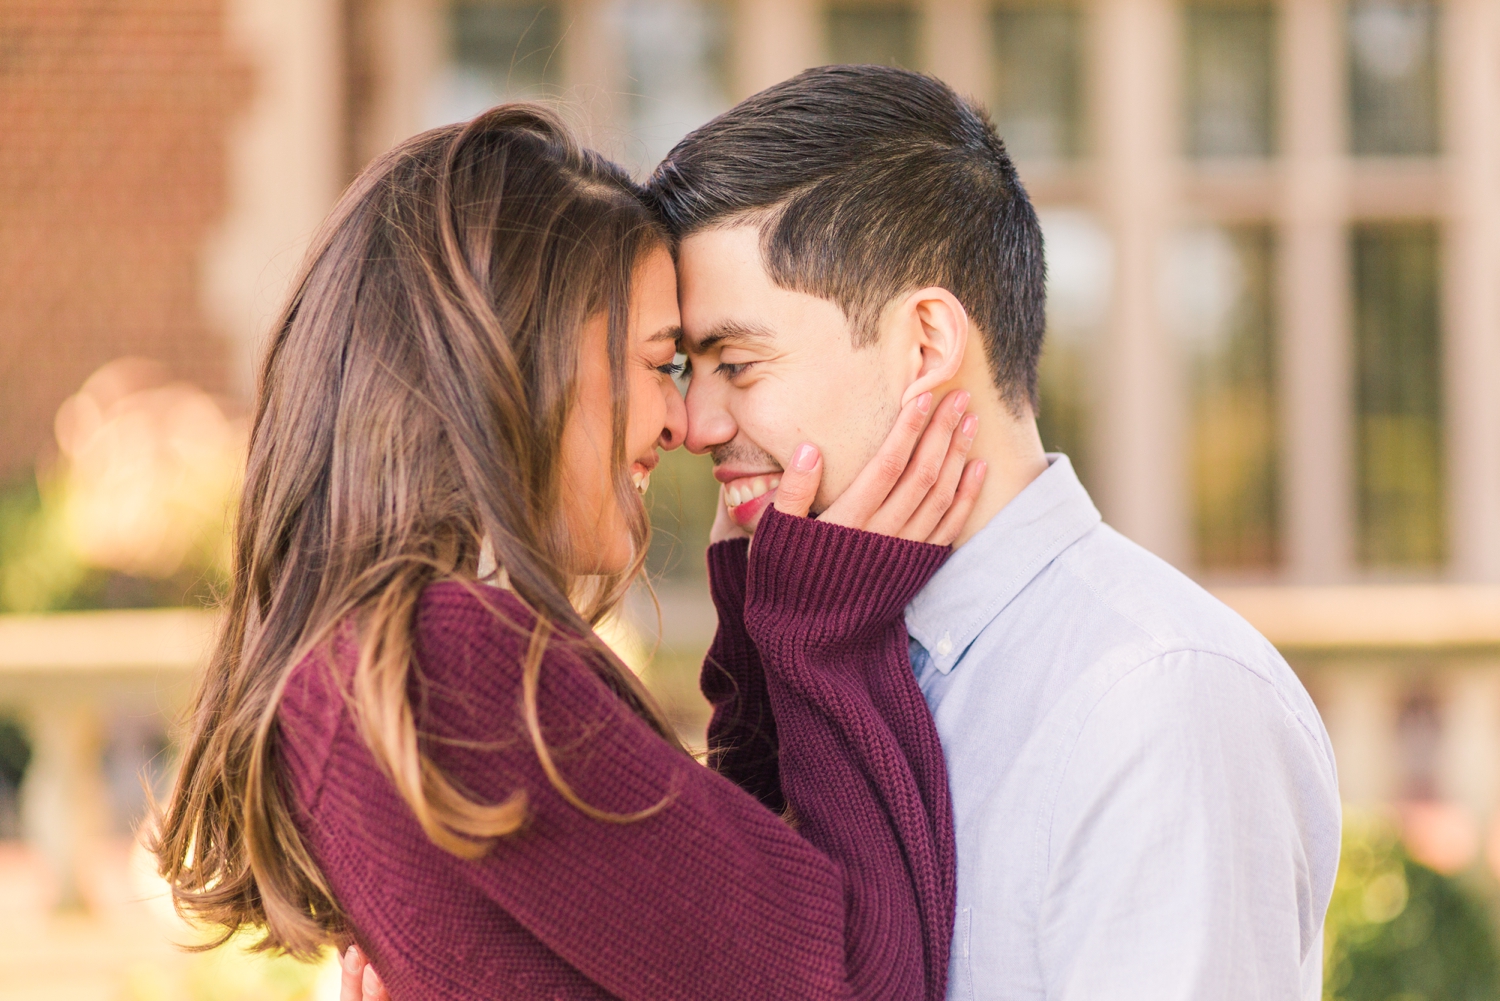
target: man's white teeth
741 491
641 481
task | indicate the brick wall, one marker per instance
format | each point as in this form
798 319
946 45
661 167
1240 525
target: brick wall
114 116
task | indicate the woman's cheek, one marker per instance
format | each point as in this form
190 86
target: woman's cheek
648 412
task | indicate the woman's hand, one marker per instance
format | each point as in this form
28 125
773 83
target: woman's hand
918 486
358 980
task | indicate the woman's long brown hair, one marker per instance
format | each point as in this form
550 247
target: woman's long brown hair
410 411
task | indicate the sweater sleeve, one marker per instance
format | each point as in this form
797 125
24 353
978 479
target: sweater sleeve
742 742
824 607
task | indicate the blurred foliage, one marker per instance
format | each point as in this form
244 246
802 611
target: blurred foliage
135 511
1398 931
38 569
41 569
230 973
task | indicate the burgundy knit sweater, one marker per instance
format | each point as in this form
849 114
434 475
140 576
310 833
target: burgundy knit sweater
713 897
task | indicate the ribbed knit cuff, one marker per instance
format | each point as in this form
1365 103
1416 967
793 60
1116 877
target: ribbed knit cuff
726 584
727 565
822 582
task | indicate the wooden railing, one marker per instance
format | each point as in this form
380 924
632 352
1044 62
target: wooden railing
1372 617
62 675
1407 680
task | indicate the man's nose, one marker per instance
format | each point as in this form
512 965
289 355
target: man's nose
709 423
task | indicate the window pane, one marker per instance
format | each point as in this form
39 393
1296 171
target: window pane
675 52
1079 266
1393 78
497 52
1229 83
867 34
1037 103
1399 395
1223 306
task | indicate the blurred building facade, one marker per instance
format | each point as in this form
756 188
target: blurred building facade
1274 227
1274 232
112 179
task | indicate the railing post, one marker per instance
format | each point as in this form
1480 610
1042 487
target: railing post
62 795
1359 704
1469 753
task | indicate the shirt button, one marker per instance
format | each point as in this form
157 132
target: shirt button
944 647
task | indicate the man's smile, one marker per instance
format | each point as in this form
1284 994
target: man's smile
747 494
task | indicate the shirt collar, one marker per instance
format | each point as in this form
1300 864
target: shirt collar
984 574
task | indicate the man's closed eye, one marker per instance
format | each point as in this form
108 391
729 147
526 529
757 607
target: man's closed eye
731 370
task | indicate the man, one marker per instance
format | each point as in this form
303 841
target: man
1144 795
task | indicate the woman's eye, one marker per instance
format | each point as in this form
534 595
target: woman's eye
677 368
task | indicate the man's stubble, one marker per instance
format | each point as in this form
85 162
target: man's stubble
742 450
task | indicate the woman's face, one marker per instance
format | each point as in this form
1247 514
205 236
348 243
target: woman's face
656 417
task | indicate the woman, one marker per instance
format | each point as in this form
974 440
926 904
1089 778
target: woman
469 387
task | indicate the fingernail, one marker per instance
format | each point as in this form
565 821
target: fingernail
924 402
961 400
351 958
980 468
806 457
970 425
370 983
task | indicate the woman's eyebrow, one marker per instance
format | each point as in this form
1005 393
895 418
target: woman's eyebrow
673 333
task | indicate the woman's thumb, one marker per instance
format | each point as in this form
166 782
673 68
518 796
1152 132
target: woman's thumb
799 484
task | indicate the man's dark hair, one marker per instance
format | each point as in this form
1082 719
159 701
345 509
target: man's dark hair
868 182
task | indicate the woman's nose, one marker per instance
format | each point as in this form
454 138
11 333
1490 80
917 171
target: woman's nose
674 428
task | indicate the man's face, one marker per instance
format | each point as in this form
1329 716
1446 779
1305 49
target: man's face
772 368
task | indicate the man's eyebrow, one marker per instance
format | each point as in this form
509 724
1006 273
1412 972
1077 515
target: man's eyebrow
730 331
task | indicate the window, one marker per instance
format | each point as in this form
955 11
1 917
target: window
1079 267
883 35
1229 85
1398 396
497 52
1393 80
1222 299
1038 98
675 55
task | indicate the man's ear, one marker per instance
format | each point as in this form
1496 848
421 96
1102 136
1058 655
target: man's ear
938 329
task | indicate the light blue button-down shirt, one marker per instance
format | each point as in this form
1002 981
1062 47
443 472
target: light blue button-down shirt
1144 794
